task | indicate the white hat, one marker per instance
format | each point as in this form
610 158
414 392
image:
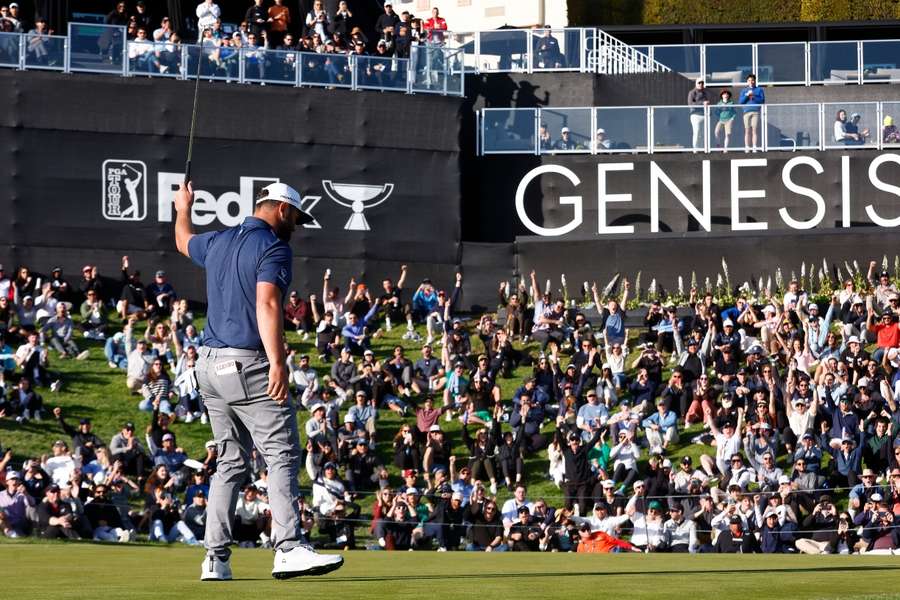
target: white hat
852 340
601 130
285 193
349 418
316 406
770 309
813 306
876 497
666 464
608 483
434 428
727 323
411 490
565 130
784 479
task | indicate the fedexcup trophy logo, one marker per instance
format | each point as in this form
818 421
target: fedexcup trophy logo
357 198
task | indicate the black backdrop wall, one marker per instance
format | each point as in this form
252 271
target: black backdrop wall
91 164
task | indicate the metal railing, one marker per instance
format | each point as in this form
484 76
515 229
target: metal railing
706 129
784 63
92 48
98 48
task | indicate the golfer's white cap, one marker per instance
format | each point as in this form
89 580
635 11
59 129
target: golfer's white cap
285 193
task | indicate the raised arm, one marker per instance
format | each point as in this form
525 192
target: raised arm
184 230
401 281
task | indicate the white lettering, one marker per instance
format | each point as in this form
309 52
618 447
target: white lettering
230 209
575 201
884 187
657 175
845 191
815 196
737 194
603 198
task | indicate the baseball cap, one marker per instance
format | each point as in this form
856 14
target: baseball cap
608 483
199 494
666 463
360 442
735 520
168 436
675 506
601 130
655 505
282 192
128 425
13 475
727 323
210 444
411 490
876 497
783 480
316 406
564 130
434 428
852 340
524 509
53 488
813 306
329 465
85 421
687 460
409 473
160 273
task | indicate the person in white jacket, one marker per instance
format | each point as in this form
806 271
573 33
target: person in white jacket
208 12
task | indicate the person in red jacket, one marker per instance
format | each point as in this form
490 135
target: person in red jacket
435 26
600 542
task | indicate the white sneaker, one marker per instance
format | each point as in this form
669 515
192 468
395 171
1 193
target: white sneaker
303 560
188 418
112 365
215 569
204 419
55 385
493 488
83 355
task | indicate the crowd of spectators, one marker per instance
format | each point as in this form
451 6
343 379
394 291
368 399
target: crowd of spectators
327 37
790 397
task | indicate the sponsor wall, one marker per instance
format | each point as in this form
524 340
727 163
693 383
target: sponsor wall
93 177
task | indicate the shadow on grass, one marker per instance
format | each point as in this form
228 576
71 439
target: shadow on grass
554 574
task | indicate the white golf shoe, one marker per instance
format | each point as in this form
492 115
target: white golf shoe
215 569
303 560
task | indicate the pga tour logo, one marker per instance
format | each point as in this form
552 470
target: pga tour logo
125 197
124 190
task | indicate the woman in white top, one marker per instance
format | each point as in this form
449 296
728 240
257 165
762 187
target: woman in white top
625 455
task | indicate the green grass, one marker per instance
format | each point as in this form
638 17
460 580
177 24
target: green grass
135 572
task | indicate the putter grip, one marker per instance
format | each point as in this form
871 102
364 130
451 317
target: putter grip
187 172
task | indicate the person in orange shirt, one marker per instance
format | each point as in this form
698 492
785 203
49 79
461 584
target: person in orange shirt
599 542
279 19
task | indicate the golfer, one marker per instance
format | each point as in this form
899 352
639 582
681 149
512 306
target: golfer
242 373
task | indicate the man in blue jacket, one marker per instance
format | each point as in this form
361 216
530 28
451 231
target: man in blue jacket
753 97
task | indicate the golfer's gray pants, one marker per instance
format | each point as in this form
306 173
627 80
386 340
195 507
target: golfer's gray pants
233 384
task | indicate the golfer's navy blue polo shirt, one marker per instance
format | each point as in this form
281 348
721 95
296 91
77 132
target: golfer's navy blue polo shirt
236 259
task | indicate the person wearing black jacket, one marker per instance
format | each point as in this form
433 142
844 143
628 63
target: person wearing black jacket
448 519
84 441
364 468
578 476
387 20
257 17
482 450
735 540
104 517
511 458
